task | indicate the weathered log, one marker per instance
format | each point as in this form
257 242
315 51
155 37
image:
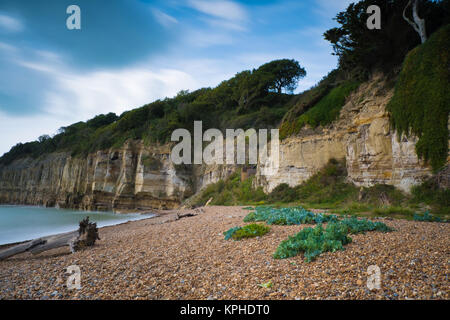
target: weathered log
83 237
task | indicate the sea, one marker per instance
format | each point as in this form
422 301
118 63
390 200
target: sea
20 223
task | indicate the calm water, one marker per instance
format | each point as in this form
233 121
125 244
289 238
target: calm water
19 223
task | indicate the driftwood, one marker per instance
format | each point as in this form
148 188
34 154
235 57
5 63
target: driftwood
207 202
85 236
196 212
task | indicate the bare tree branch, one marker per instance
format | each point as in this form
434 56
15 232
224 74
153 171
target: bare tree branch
418 24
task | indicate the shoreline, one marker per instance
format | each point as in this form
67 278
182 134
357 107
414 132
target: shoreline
167 257
150 214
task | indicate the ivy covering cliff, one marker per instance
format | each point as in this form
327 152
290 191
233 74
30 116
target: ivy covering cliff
421 103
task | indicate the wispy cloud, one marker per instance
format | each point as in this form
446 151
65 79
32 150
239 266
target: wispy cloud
221 9
10 24
163 18
223 14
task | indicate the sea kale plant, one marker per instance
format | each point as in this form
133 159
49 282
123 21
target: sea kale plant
315 241
287 216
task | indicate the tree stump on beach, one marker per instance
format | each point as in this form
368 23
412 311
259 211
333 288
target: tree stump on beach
85 236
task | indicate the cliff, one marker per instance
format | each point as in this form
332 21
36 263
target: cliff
362 136
140 176
133 176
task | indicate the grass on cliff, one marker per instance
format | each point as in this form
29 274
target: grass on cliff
232 191
421 102
327 110
318 106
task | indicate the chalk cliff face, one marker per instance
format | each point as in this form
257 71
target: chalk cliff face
132 177
362 136
138 176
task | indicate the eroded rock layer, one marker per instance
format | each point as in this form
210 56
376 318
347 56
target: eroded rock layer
362 136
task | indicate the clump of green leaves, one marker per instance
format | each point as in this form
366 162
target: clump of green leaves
356 225
314 241
266 285
421 102
248 231
426 217
287 216
328 108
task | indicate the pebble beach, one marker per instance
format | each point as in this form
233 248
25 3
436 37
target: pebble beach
188 258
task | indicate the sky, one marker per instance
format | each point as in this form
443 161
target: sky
132 52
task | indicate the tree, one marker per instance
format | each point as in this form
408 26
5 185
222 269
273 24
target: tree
281 74
418 24
44 138
361 50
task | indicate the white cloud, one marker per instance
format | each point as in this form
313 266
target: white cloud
222 14
163 18
221 9
25 129
7 48
113 90
204 38
9 23
77 96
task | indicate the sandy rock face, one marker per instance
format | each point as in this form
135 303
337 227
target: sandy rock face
362 136
134 176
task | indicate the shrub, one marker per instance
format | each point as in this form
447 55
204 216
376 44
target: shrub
283 193
232 191
429 193
287 216
355 225
315 241
248 231
427 217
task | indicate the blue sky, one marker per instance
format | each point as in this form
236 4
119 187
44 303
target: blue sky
131 52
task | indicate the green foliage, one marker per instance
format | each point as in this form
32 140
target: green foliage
306 100
229 233
328 186
421 103
283 193
266 285
356 225
287 216
232 192
282 73
430 194
374 194
427 217
392 211
361 50
314 241
328 108
248 231
244 101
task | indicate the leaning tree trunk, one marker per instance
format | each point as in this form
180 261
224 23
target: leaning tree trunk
418 24
83 237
